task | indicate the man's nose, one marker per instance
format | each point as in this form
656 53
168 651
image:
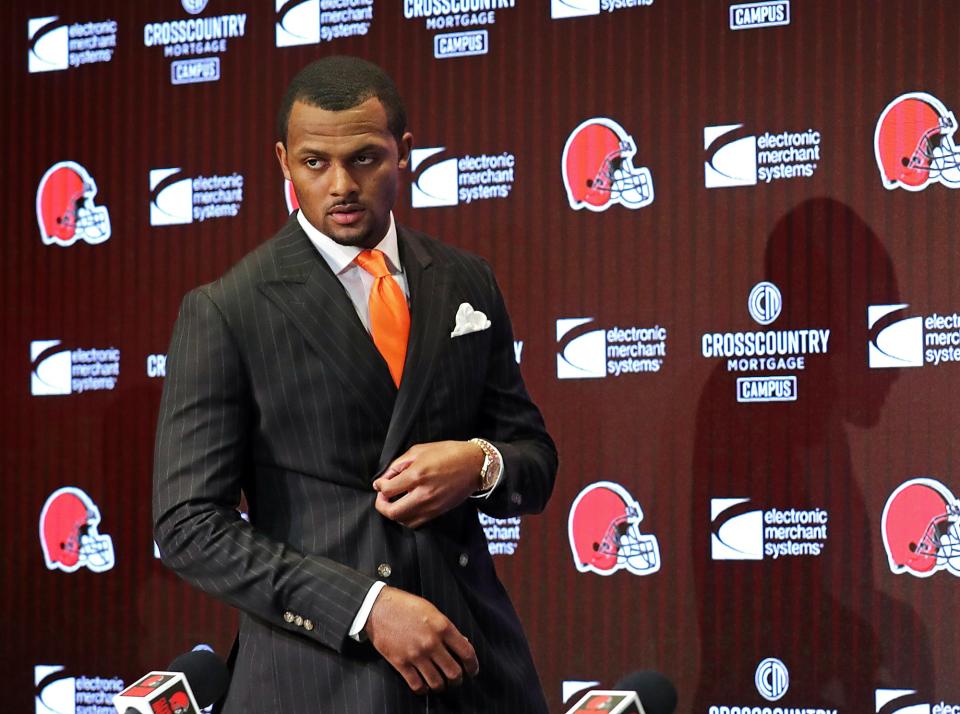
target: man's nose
342 183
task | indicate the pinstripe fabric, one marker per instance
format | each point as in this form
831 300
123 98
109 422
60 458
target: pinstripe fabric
276 391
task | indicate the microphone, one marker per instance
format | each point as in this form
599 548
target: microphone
192 682
646 692
654 690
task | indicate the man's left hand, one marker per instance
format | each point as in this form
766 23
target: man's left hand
428 480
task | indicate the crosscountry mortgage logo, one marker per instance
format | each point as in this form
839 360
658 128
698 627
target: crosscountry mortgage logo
740 531
65 371
195 36
768 350
457 15
764 303
772 679
760 14
58 693
903 341
616 351
175 200
459 180
310 22
54 45
744 160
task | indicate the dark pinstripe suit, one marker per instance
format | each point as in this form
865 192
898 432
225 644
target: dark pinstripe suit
274 387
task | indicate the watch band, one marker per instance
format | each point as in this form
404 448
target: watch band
490 471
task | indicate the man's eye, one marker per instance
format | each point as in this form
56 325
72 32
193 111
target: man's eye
313 163
364 159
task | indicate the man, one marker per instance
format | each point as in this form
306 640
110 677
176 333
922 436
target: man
336 376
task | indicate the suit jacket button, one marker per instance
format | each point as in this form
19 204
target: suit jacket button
288 617
516 498
384 570
298 620
463 560
307 625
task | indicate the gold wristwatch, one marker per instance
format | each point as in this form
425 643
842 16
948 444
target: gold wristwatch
490 471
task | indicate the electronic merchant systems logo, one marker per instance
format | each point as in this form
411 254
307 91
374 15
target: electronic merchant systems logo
55 44
921 529
739 159
176 199
57 370
561 9
771 351
898 339
914 145
909 701
751 15
598 171
741 531
310 22
772 680
66 212
503 534
455 180
57 692
587 352
191 38
464 16
604 531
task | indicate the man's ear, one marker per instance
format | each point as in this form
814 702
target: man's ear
282 158
405 146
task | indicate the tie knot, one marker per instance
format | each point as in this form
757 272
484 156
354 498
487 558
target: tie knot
374 262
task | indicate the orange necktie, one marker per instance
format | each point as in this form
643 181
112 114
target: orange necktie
389 315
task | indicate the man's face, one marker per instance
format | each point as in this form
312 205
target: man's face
345 168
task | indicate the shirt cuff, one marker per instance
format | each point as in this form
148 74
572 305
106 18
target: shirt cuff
480 495
360 621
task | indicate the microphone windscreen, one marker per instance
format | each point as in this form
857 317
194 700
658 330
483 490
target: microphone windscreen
206 673
656 692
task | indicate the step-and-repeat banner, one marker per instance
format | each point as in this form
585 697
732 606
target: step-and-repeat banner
726 233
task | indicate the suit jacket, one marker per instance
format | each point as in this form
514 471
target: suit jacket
275 389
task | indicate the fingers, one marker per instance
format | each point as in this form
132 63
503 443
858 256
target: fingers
461 647
407 510
449 667
412 677
430 674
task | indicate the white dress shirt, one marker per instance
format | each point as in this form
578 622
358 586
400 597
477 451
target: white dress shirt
358 283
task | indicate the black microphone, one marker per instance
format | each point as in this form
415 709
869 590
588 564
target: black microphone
206 673
192 682
656 692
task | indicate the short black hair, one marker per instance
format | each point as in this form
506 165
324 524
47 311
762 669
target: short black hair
341 82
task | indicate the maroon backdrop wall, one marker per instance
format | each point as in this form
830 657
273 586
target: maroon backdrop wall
802 503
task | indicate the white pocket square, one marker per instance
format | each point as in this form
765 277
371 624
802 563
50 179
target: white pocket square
469 320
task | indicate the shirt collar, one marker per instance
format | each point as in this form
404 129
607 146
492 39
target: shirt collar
340 257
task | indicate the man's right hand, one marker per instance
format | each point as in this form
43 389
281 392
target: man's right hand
419 641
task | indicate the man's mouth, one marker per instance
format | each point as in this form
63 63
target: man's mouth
347 215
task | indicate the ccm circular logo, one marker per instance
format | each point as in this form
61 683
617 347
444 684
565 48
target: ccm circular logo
772 679
765 303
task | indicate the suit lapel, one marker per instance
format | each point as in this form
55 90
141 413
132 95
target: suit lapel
308 292
429 311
